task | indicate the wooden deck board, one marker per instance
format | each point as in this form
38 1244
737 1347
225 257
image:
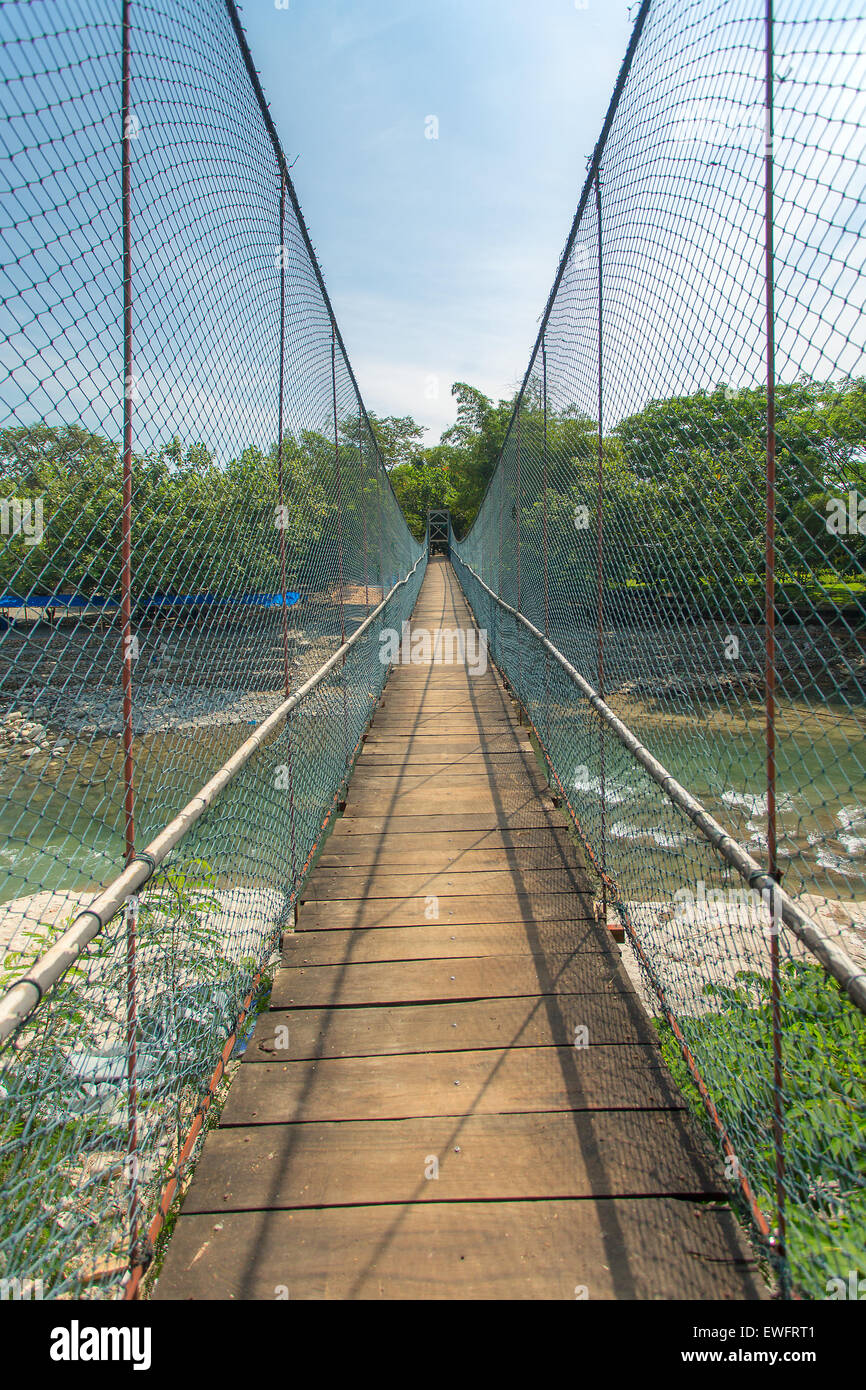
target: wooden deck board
470 1025
444 849
454 909
446 962
507 882
469 977
477 1158
431 943
621 1248
493 1081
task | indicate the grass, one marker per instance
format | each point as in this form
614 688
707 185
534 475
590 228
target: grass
823 1088
53 1121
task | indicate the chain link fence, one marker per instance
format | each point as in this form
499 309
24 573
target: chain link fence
195 519
680 510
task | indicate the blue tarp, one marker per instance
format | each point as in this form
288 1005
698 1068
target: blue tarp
156 601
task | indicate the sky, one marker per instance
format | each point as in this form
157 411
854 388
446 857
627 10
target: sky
438 253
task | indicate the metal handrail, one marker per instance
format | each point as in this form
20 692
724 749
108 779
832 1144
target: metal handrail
24 996
833 957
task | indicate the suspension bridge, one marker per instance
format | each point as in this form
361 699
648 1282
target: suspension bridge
420 1113
480 915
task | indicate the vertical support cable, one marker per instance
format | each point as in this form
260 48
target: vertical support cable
600 542
282 528
339 535
770 624
545 563
363 509
339 482
127 635
495 621
379 467
519 591
501 504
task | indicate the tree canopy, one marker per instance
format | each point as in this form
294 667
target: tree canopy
684 495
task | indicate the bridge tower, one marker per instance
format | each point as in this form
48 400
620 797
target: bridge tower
438 531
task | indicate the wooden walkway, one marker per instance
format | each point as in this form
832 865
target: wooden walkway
424 1021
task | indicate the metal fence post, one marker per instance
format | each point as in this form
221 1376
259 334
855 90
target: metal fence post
363 490
519 591
128 640
339 536
600 543
544 542
282 528
770 623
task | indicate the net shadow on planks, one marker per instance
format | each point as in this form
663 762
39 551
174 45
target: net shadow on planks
413 1118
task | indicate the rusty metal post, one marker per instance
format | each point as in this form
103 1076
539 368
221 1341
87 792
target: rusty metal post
519 592
339 536
545 562
381 526
363 510
282 527
280 487
770 624
495 623
599 528
501 505
128 639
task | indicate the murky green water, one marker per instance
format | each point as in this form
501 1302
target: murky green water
821 793
61 822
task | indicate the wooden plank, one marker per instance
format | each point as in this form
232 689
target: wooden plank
425 709
468 765
359 853
428 692
340 885
395 746
502 801
287 1035
442 723
470 687
440 702
477 1158
417 677
437 730
472 977
508 740
520 780
496 837
454 910
517 779
512 763
394 758
541 815
491 1082
458 681
478 686
626 1248
351 846
430 942
503 789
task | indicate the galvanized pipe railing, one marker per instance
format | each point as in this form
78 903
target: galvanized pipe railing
24 995
832 957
